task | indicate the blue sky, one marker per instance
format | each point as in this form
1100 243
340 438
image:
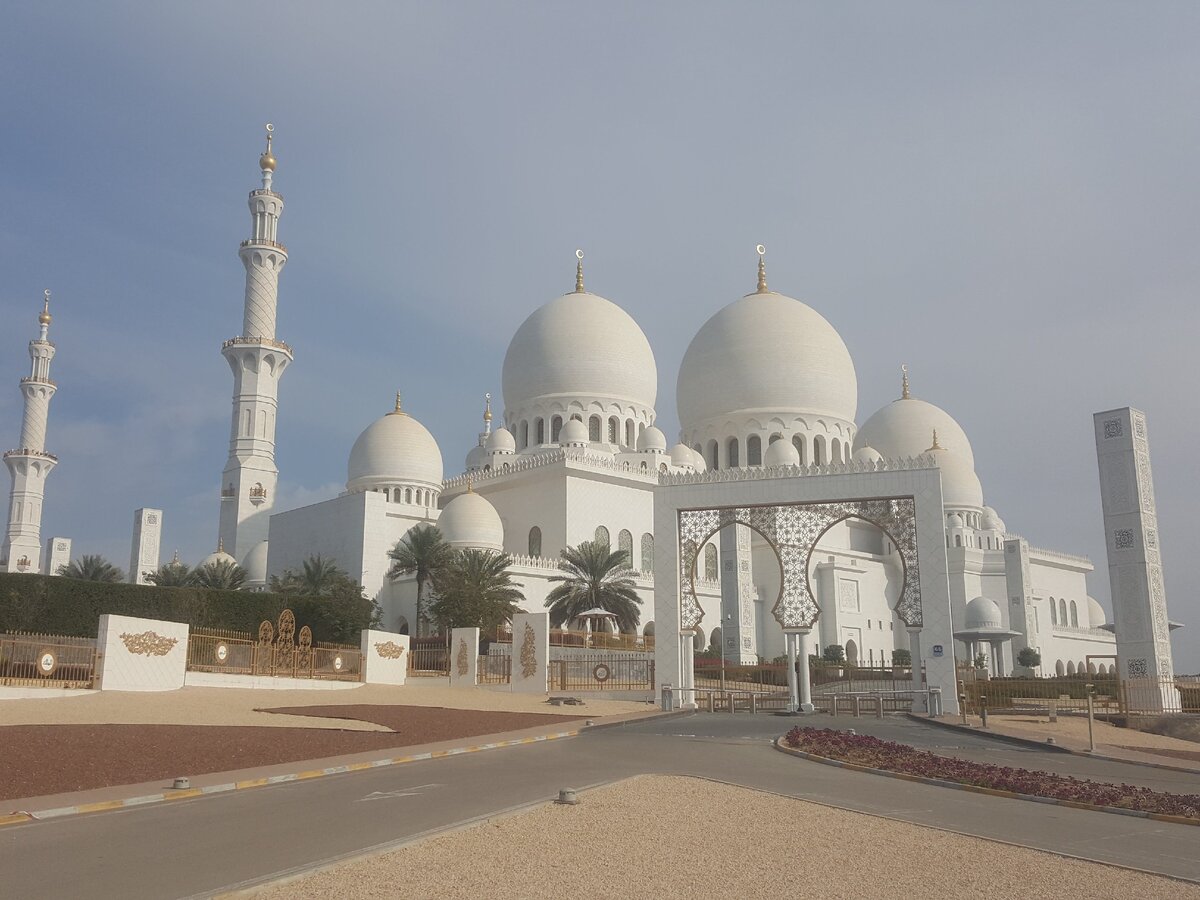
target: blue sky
1000 195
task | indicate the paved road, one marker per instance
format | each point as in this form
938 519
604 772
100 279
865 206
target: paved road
200 846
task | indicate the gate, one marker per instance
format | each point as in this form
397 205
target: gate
276 653
603 672
47 660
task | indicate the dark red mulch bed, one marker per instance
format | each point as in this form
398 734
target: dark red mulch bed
36 760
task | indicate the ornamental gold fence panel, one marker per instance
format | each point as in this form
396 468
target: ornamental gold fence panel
428 657
602 672
275 653
229 652
47 660
587 640
495 669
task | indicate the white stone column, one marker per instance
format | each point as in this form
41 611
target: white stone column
914 643
789 640
803 640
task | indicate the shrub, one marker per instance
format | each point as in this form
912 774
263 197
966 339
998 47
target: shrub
67 606
834 653
901 657
1029 658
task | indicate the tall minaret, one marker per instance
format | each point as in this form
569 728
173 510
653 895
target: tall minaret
258 361
29 464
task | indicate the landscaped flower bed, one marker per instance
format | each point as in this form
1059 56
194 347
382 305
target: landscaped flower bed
863 750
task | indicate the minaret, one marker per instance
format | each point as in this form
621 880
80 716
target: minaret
258 361
29 464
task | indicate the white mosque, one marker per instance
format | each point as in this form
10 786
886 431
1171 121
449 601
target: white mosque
766 381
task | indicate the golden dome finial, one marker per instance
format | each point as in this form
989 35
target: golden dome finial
579 271
220 545
175 558
45 317
904 392
266 162
398 411
487 407
470 487
762 269
935 445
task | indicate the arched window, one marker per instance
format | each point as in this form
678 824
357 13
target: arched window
1053 612
524 433
798 443
715 639
1074 615
602 535
835 451
647 552
614 428
408 495
648 631
1070 667
1062 611
540 430
535 541
958 540
625 543
594 429
712 455
710 563
754 451
732 451
1059 668
555 429
629 432
819 450
402 625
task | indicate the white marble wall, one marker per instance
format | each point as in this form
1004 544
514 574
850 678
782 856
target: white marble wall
385 657
141 654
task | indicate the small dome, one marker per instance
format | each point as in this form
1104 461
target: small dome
547 358
781 453
502 441
470 521
1096 614
573 432
954 520
477 459
992 520
395 449
255 564
983 613
866 454
652 439
766 354
683 456
217 556
904 427
698 457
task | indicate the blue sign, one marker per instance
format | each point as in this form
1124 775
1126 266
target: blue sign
937 650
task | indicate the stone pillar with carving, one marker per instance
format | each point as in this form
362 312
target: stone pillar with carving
531 652
464 657
144 554
738 594
1134 556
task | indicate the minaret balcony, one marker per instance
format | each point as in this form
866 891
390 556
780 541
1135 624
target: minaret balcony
258 493
263 242
265 192
33 379
266 342
25 451
228 493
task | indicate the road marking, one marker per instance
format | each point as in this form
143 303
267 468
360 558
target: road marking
401 792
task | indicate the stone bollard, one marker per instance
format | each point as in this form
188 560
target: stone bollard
668 698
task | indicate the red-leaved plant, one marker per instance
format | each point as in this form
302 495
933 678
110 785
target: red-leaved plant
863 750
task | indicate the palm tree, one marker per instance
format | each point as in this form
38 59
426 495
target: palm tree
423 553
92 567
220 575
593 576
476 591
320 578
172 574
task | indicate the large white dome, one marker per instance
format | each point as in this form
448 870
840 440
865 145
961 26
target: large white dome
395 449
579 346
766 354
470 521
960 484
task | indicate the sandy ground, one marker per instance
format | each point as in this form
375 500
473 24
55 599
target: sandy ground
233 706
1072 732
659 836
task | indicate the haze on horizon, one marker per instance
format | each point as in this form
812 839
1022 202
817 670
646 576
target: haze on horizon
1001 196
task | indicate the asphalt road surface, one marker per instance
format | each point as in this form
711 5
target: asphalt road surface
201 846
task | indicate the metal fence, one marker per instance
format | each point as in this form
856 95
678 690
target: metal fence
602 672
47 660
272 654
495 669
428 656
1136 696
592 640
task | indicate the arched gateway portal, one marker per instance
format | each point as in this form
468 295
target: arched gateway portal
791 508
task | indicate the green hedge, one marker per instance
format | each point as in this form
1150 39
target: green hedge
68 606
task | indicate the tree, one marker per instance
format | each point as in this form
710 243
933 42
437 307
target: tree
319 577
221 575
1029 658
476 591
421 552
901 657
92 567
594 575
834 653
172 574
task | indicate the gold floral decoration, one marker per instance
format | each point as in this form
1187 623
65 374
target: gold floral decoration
461 658
389 650
528 653
148 643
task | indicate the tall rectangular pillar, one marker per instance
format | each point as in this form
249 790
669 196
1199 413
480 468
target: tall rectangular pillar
1132 539
530 652
58 554
1020 597
464 657
143 557
738 593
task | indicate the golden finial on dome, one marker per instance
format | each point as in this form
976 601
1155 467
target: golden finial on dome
398 411
487 407
45 316
470 487
220 545
762 269
266 162
579 271
935 445
904 393
175 558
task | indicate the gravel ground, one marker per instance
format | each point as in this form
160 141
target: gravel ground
234 706
1072 731
665 837
52 759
